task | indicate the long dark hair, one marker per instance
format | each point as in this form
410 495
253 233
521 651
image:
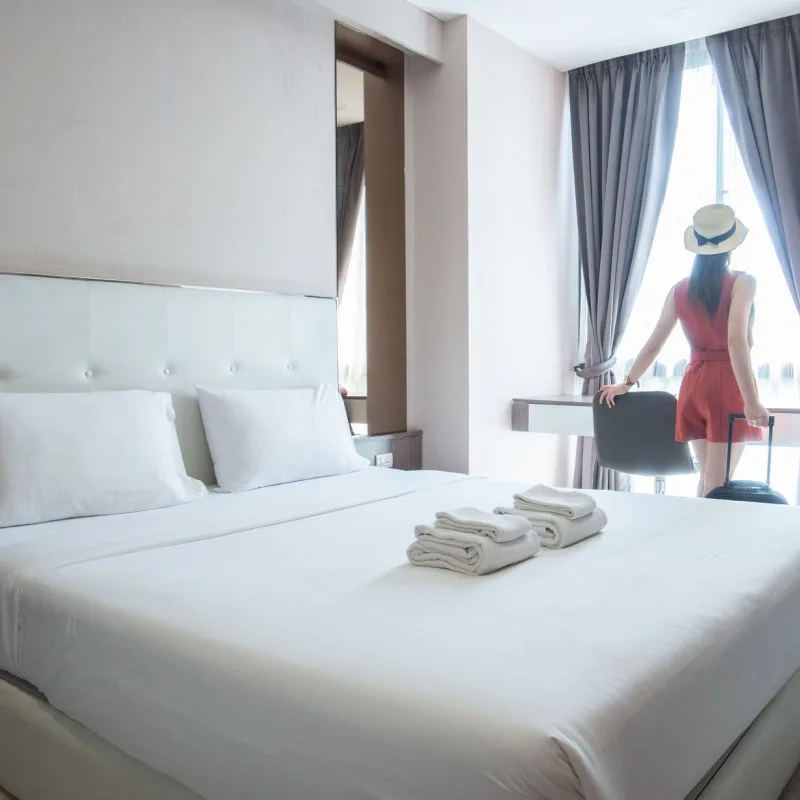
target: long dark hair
705 282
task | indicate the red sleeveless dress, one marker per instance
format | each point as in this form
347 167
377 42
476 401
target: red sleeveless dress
709 390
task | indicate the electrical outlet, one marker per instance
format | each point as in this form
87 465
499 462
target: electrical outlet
384 460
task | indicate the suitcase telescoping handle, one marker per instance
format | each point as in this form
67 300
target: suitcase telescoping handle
731 419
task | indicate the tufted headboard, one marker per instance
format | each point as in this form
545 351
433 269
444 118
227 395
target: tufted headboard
65 335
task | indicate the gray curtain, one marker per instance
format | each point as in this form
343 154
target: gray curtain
349 182
624 119
758 69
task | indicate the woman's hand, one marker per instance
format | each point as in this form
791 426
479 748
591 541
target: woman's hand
756 414
608 394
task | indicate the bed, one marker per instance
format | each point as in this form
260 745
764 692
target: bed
276 644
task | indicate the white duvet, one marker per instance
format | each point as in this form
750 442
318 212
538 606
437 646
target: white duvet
277 645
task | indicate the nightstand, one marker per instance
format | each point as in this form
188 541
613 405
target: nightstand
397 450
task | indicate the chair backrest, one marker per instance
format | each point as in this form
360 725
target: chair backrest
637 435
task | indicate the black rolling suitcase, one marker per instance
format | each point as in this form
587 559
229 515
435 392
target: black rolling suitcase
748 491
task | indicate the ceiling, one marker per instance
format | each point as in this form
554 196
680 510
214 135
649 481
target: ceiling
349 94
571 33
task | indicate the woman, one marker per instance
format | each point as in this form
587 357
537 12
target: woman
715 309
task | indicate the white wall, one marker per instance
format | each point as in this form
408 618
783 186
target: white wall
169 140
396 22
492 277
519 280
437 252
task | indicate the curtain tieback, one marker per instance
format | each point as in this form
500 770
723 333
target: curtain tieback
589 372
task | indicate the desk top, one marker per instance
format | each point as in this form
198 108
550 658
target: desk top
581 401
556 400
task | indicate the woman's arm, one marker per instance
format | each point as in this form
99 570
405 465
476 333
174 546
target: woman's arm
739 342
664 327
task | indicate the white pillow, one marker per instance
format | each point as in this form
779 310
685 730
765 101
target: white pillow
262 438
82 454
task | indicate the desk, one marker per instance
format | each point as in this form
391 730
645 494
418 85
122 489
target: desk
571 415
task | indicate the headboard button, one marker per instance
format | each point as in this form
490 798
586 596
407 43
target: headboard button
88 373
166 370
233 368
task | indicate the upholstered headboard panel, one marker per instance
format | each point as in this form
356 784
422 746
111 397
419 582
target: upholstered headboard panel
61 335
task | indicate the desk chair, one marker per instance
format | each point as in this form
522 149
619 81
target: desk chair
637 436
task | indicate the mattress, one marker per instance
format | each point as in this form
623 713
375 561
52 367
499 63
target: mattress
277 644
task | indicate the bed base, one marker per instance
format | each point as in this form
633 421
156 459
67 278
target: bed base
44 755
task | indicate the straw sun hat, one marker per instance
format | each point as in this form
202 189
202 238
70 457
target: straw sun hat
714 229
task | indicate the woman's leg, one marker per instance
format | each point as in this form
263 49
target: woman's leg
700 447
716 458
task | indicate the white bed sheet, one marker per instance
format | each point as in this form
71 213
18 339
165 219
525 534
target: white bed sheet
307 660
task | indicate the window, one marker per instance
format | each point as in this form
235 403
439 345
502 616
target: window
707 167
353 314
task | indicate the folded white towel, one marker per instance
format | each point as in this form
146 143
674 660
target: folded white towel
555 531
468 553
564 502
495 527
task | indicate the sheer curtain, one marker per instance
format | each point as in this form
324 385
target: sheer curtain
706 168
353 314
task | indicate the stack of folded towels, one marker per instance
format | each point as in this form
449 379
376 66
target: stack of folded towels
560 517
473 542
